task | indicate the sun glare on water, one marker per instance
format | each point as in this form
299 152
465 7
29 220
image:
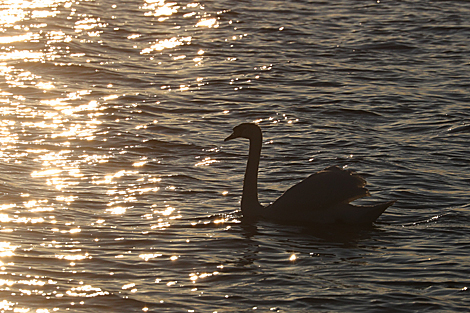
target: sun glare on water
73 172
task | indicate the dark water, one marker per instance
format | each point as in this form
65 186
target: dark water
118 193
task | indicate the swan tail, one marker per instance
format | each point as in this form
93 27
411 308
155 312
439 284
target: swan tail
362 214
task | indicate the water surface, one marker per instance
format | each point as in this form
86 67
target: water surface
118 193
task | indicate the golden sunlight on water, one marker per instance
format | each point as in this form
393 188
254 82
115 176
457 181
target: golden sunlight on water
118 191
46 125
42 123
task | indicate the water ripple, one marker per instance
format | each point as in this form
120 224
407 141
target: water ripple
118 190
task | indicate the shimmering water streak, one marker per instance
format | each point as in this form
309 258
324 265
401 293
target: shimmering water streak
47 125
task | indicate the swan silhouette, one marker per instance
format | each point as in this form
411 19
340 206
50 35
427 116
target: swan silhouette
323 197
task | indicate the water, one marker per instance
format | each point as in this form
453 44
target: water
118 193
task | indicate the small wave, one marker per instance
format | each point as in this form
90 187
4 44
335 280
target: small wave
425 221
344 111
326 84
220 220
459 129
391 45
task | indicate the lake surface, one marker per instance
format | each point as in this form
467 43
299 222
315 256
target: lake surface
118 194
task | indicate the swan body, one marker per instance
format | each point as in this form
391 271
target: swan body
323 197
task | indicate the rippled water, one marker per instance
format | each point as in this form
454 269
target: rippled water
118 193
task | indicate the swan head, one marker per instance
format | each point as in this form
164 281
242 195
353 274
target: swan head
245 130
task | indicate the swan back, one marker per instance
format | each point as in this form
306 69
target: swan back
324 189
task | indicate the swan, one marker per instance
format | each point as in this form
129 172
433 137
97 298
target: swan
323 197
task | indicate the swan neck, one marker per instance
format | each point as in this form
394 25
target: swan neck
250 203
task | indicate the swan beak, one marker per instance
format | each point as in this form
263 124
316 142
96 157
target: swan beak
232 136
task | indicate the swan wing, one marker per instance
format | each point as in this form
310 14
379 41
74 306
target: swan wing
323 190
